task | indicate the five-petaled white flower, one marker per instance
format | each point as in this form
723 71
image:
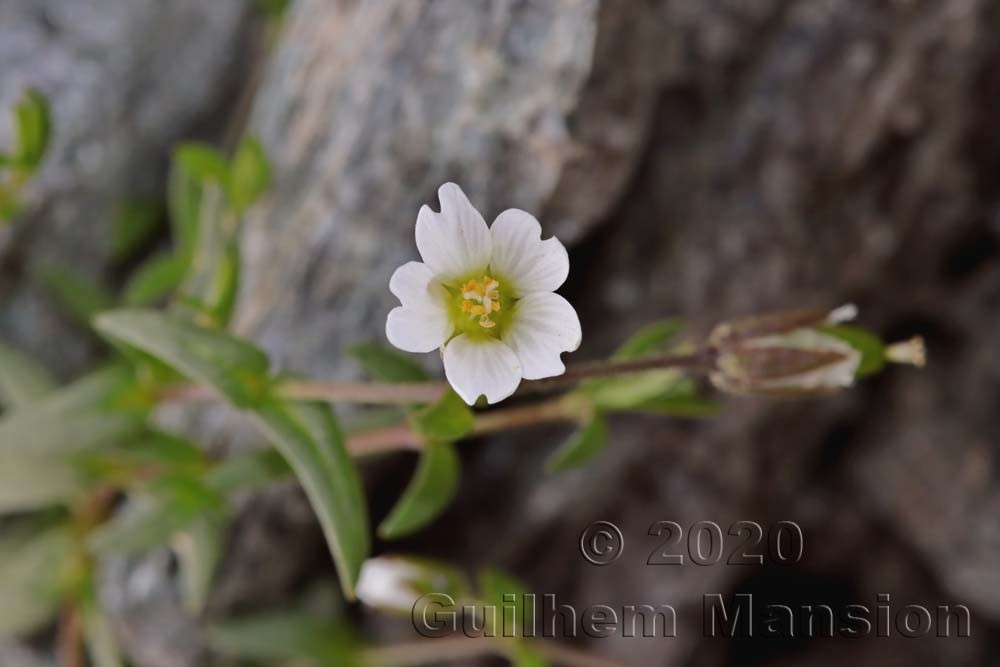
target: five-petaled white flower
485 296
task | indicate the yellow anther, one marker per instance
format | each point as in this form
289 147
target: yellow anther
481 297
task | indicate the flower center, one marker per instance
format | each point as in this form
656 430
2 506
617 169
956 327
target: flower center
481 298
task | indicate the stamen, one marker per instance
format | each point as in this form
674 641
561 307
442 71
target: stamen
480 298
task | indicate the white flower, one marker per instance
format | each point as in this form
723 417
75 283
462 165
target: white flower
388 583
485 296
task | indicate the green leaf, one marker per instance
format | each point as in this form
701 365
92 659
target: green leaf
33 123
629 391
310 440
233 367
40 443
870 346
149 523
649 339
75 293
449 419
433 486
209 287
154 280
581 447
388 365
135 223
203 162
634 389
290 635
22 380
163 511
71 418
198 548
184 191
247 471
9 206
249 175
306 433
30 563
187 493
220 294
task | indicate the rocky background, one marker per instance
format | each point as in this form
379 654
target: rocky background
701 158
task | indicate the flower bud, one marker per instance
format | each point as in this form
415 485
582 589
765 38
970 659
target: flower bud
389 583
395 583
798 362
801 352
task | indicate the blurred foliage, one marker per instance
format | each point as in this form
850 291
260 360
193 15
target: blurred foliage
32 134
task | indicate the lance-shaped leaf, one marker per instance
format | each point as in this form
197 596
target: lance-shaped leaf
198 548
430 491
40 444
233 367
219 295
29 560
648 340
184 190
680 400
247 471
33 124
249 175
310 440
449 419
154 280
581 447
631 390
292 635
306 434
146 524
22 380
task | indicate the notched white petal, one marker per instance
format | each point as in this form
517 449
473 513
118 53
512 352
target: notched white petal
414 330
544 326
455 241
413 284
520 254
481 367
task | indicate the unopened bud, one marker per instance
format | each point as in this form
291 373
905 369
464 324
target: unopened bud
389 583
784 354
395 583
